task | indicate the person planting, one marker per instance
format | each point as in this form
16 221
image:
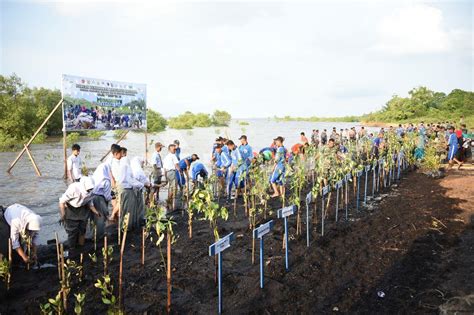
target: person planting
223 162
237 167
184 167
74 208
17 222
278 173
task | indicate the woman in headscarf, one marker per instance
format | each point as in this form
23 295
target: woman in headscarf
17 222
125 190
74 207
102 196
140 181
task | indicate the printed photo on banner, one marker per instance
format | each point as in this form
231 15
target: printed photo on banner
98 104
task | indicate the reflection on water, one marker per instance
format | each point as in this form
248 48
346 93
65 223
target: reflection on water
41 193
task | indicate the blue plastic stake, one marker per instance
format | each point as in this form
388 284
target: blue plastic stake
338 187
367 169
216 249
260 232
374 170
358 174
347 178
325 192
309 196
285 213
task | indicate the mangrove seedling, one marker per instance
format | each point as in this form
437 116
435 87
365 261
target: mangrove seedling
79 306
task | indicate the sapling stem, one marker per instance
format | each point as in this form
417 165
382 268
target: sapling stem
57 254
81 270
168 272
9 263
63 279
143 246
106 256
122 249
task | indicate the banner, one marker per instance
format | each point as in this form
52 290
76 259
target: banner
97 104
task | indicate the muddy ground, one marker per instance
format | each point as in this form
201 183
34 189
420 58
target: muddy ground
411 252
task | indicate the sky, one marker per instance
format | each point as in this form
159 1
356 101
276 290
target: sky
250 58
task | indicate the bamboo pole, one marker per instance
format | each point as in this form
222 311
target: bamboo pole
168 272
32 161
63 277
118 141
28 249
106 256
122 249
10 260
143 246
34 135
57 254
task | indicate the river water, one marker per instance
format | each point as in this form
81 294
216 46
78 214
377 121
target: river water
41 193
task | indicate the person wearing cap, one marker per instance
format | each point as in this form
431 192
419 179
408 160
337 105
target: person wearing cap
184 167
16 222
277 179
178 149
74 208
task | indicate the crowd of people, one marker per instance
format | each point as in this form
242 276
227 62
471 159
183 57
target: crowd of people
119 183
93 117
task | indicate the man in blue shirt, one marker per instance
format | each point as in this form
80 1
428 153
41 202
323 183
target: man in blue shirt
198 170
245 150
277 178
453 148
236 171
223 162
184 166
178 149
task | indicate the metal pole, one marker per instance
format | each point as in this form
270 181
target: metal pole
261 262
219 266
286 244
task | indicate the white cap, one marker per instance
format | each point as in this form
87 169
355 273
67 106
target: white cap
87 183
34 222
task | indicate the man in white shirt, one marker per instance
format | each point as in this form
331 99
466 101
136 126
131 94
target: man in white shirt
74 164
157 174
15 221
171 166
74 207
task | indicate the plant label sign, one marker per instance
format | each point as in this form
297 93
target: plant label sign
348 177
367 168
326 190
339 184
263 229
286 212
309 197
221 244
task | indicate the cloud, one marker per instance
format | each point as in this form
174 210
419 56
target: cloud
416 29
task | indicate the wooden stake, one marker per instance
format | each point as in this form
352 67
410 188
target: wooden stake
81 271
143 246
34 135
28 249
10 261
95 237
63 277
106 256
57 254
168 272
121 258
32 161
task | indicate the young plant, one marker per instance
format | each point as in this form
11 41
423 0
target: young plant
297 182
79 306
5 273
107 293
107 252
53 306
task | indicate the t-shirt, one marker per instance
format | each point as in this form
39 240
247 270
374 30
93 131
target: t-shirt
170 161
156 160
246 152
74 166
198 168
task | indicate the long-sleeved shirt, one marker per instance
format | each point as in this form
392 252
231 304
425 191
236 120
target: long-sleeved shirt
17 218
198 168
246 152
226 161
453 140
76 196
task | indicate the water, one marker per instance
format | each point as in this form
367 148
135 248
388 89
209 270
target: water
41 194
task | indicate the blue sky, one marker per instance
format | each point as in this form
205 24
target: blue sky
253 59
